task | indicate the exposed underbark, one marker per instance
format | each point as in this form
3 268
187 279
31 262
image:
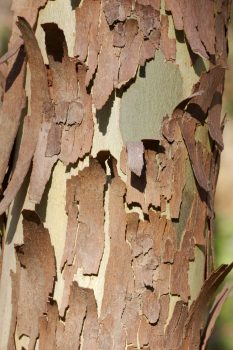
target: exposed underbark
114 174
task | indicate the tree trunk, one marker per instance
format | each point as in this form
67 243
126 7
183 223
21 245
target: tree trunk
110 143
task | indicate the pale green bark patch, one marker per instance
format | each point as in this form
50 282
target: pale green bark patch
149 99
196 273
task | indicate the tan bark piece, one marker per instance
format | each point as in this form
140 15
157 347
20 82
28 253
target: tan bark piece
37 272
152 192
12 108
179 180
77 139
119 35
90 235
130 236
123 160
68 277
157 333
167 45
91 324
11 52
3 76
63 69
69 333
131 319
175 329
150 306
53 141
175 8
83 133
68 106
197 219
159 224
143 332
149 18
221 41
118 274
188 127
15 278
145 261
48 327
198 309
214 313
165 178
189 10
107 61
42 166
67 144
179 276
135 190
116 10
209 82
72 222
135 161
28 9
94 47
87 40
40 107
149 47
168 243
155 4
162 279
14 96
214 118
130 54
169 128
206 24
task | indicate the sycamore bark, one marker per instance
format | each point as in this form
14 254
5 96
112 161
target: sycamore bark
114 111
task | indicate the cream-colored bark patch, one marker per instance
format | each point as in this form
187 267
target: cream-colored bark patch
61 13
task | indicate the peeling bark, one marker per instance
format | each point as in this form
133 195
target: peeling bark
105 253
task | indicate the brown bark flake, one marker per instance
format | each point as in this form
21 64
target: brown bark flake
152 191
85 227
174 6
36 273
179 180
150 306
190 19
149 258
175 328
130 54
40 107
14 97
48 328
195 321
87 43
107 61
214 313
195 151
90 234
118 274
81 301
135 152
214 118
116 10
167 45
209 82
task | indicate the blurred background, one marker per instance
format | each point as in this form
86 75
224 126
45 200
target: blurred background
222 338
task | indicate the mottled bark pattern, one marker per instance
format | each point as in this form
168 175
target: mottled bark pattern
147 302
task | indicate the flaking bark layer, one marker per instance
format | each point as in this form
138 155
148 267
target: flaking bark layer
154 202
